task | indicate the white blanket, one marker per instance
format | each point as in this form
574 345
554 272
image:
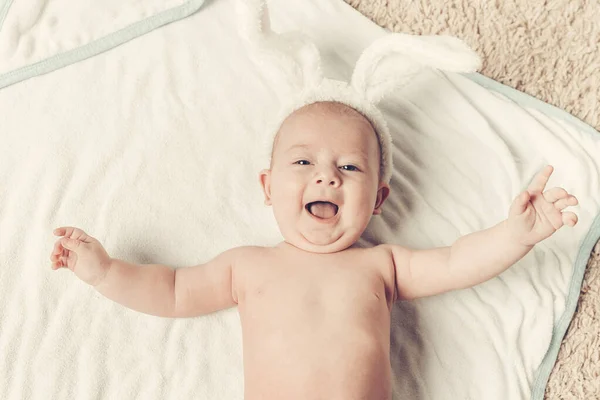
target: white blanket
152 147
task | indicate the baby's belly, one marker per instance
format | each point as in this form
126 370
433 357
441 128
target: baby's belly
315 349
346 370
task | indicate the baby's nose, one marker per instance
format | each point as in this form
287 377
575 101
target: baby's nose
330 179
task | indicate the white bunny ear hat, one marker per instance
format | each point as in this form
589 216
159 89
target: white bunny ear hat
296 63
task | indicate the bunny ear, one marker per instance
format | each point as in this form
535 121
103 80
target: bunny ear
394 60
254 23
290 54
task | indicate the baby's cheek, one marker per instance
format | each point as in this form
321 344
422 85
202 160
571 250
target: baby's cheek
367 200
287 196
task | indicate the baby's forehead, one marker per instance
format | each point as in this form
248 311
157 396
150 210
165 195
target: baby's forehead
330 109
305 116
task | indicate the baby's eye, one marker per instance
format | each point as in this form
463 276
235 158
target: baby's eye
349 167
302 162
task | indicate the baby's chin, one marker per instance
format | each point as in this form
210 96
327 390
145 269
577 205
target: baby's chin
316 244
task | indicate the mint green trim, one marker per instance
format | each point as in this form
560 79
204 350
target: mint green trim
100 45
523 99
542 374
559 331
4 6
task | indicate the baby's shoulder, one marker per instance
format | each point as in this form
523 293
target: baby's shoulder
392 250
244 252
379 257
381 250
247 263
244 256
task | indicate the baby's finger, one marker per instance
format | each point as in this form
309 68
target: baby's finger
59 231
566 202
58 265
519 204
57 249
539 181
72 244
569 218
554 194
67 231
72 232
56 255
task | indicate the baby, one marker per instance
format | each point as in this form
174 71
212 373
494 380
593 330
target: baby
315 309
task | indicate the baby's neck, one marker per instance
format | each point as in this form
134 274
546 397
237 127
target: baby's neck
287 246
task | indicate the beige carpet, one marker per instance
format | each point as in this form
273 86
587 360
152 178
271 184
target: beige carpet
549 49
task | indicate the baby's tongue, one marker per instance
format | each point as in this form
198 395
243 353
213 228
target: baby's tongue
322 209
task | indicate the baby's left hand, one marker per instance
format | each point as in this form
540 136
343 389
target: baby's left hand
535 215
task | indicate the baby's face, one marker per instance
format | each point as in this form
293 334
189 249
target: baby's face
324 178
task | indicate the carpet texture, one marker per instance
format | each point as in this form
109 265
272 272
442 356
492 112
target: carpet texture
549 49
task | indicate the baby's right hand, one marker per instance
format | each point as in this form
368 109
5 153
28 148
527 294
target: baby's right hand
80 253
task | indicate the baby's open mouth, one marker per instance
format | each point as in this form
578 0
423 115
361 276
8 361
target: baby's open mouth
322 209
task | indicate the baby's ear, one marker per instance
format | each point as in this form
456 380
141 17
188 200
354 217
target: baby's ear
264 178
382 193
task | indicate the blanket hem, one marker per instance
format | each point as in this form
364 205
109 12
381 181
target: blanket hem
4 7
98 46
542 374
525 99
560 330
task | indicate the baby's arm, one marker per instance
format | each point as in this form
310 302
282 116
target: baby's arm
472 259
151 288
479 256
166 292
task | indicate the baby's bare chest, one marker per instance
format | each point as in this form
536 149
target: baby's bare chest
316 293
316 327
